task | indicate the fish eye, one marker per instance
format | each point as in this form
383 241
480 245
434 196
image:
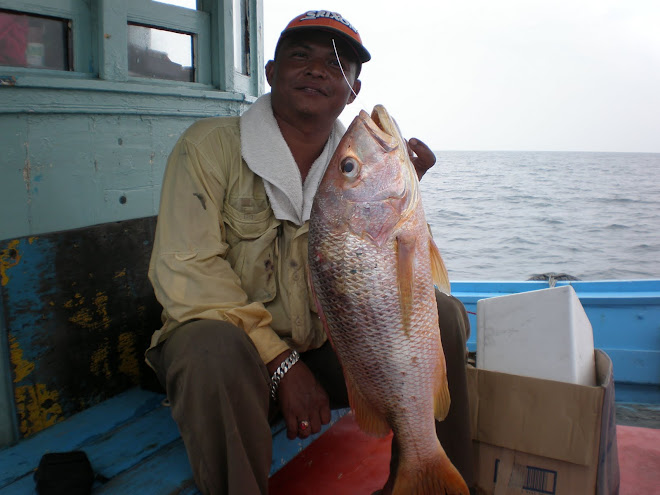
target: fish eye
350 167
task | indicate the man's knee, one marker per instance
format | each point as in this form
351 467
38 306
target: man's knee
452 318
213 347
203 337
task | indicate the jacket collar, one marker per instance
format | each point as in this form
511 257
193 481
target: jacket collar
267 155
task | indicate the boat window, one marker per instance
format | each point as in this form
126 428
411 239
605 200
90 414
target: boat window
242 36
35 41
159 53
188 4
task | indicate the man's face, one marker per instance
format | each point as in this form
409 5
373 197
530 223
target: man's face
306 78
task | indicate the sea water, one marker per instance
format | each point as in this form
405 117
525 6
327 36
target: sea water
510 215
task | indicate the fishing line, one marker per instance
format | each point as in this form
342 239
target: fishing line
350 86
410 152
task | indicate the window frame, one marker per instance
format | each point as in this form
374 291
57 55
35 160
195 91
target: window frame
78 18
99 34
194 22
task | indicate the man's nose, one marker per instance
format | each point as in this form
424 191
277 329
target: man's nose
317 67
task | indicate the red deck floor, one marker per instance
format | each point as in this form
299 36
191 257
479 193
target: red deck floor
345 461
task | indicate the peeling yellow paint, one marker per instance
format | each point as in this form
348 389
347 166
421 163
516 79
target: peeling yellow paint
99 364
101 303
9 258
22 367
37 408
32 239
86 317
121 273
128 363
80 300
83 317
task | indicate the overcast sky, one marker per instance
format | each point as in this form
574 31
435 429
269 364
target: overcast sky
562 75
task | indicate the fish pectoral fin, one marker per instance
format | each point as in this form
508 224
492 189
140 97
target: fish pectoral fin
406 247
368 419
438 270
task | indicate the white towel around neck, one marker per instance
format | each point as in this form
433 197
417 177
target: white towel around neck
268 156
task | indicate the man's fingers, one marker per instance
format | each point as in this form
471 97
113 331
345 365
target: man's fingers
425 158
316 423
305 428
291 426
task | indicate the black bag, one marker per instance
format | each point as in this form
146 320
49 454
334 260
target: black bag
64 473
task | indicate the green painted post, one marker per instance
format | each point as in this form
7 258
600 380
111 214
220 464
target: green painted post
8 426
113 34
257 46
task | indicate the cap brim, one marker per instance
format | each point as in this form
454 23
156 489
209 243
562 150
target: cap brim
361 52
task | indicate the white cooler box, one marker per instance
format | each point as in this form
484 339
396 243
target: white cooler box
541 334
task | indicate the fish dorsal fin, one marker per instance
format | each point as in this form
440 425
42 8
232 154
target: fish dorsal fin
405 250
438 270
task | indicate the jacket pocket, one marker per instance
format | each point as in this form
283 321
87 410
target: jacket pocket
252 239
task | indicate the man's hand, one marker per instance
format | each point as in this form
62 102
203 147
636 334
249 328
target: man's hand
301 398
421 156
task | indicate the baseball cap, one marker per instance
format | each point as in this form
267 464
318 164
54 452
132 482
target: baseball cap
327 21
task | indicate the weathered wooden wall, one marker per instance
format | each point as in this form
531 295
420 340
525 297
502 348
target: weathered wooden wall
89 145
83 148
79 313
65 170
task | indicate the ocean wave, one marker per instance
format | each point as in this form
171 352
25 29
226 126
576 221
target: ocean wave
506 215
617 226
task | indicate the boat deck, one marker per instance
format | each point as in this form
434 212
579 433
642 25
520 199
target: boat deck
345 460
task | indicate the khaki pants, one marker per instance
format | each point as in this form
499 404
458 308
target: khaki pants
218 388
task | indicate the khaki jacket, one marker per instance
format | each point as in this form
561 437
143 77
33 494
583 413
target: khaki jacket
220 253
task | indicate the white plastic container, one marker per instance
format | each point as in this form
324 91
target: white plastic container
541 334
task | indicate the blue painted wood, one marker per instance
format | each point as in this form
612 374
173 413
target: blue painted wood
635 366
77 327
168 472
85 428
131 440
114 453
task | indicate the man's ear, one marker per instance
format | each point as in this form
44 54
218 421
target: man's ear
356 89
270 70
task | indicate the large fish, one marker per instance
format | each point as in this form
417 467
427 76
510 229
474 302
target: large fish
373 265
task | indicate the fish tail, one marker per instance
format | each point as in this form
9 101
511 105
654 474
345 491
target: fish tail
438 476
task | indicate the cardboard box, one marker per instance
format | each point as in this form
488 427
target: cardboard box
535 436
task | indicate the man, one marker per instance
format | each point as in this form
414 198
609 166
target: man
241 338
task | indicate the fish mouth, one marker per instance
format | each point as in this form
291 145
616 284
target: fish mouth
381 117
384 129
